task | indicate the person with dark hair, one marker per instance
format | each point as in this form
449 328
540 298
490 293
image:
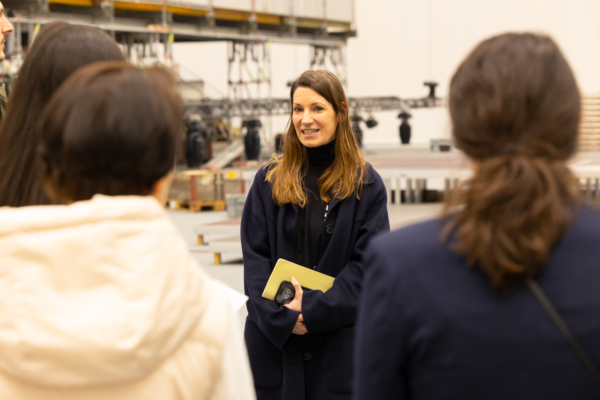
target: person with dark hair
469 306
58 51
101 298
317 204
6 29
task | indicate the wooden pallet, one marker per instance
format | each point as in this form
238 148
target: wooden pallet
176 205
195 206
218 205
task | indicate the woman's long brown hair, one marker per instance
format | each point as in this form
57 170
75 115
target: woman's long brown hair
58 51
515 109
345 176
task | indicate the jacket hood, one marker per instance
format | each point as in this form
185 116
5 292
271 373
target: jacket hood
94 293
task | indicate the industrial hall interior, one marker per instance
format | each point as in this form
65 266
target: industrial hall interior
299 199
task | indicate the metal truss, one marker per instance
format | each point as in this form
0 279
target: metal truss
253 108
244 108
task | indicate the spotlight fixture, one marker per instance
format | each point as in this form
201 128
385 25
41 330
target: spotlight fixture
252 138
405 128
356 119
432 86
371 122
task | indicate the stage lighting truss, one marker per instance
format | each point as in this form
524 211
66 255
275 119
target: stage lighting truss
253 108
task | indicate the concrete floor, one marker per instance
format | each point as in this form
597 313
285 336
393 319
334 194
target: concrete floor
231 270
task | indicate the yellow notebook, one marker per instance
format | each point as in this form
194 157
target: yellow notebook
308 278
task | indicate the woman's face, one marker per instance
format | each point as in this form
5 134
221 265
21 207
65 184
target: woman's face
313 117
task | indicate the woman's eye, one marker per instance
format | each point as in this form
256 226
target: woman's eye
297 109
318 108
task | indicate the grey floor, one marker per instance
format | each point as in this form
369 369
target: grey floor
231 270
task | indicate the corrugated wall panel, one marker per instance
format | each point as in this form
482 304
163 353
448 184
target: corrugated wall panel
308 9
279 7
340 10
239 5
187 3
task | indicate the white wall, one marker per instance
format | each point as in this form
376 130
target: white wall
402 43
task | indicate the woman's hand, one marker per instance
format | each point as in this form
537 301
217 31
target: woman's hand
300 328
296 304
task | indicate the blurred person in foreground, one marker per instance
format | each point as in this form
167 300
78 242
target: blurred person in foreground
58 51
449 308
6 29
100 298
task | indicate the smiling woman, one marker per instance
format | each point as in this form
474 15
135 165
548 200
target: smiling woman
316 205
319 116
314 118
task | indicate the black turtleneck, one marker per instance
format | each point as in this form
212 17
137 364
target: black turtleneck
311 218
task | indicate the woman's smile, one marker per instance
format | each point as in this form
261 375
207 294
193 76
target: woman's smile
310 132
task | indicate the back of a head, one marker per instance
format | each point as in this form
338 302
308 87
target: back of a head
111 129
58 51
515 109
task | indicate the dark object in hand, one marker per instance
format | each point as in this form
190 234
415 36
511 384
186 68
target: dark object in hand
285 293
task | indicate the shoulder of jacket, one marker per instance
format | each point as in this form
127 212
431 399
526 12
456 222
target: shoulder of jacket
261 174
260 180
372 180
424 236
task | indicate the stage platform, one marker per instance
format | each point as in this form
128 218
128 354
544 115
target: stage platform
408 171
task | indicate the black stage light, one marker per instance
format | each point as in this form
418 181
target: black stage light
371 122
279 143
405 128
252 139
432 86
355 122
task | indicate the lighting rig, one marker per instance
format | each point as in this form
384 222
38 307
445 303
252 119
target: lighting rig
252 108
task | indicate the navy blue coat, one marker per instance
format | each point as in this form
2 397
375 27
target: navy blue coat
317 365
430 328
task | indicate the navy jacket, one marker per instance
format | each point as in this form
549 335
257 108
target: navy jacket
430 328
285 365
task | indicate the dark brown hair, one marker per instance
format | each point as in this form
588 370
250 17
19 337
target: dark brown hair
58 51
111 129
347 173
515 110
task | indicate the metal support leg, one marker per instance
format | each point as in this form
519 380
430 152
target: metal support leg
388 187
408 193
419 190
447 188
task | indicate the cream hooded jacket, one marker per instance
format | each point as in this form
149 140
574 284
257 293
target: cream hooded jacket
102 300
